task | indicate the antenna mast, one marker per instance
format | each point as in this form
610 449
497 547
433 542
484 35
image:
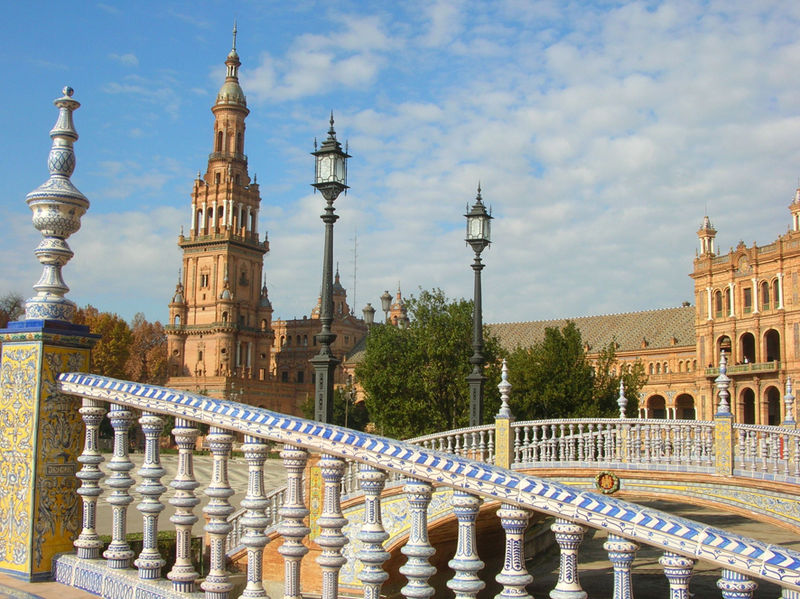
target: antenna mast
355 270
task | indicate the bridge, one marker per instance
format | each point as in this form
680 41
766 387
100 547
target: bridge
456 466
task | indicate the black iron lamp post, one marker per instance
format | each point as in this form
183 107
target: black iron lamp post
478 236
330 179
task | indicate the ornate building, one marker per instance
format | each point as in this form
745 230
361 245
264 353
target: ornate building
221 339
747 303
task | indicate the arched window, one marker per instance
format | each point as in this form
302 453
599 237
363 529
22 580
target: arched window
772 345
747 347
775 294
658 368
198 219
219 142
718 303
727 301
224 318
765 296
263 324
666 368
650 368
239 144
177 320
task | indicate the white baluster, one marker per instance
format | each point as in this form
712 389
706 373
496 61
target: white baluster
466 564
292 527
150 561
735 586
678 570
621 553
568 536
88 543
183 573
418 549
119 554
255 518
217 584
580 442
514 577
372 534
331 521
561 441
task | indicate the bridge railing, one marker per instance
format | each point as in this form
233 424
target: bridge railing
766 451
741 560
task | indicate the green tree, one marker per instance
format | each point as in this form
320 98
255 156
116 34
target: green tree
555 379
345 411
111 353
552 378
414 378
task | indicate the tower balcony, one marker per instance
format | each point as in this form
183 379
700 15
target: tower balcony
224 155
747 369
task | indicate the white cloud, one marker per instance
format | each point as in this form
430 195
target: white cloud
128 60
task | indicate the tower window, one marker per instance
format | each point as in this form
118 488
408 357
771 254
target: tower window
239 144
204 280
236 178
301 376
219 141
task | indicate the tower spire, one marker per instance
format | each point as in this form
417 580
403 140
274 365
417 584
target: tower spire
233 47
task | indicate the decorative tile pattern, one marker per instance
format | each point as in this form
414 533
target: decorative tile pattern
590 509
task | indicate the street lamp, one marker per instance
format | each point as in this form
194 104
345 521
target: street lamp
369 315
386 304
330 179
478 236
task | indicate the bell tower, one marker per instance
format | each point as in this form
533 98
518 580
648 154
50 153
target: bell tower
706 234
220 320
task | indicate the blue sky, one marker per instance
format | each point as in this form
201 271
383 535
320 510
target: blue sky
601 133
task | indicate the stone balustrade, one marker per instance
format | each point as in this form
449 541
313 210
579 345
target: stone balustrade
742 562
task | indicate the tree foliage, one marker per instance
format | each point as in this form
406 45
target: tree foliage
346 412
414 378
555 379
12 307
147 362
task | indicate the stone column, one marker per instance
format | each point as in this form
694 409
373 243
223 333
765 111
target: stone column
723 422
568 536
504 448
621 553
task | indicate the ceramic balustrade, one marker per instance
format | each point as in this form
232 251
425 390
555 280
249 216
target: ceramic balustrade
763 450
682 542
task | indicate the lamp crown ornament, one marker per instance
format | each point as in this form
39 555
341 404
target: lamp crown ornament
622 401
57 207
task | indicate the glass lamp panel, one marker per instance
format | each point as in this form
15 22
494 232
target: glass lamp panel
323 168
474 227
487 228
339 168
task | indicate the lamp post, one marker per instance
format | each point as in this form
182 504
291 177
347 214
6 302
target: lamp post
330 179
386 304
479 237
369 315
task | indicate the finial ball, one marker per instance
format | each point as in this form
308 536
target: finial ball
67 91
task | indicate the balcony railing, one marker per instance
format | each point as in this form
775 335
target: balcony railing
747 368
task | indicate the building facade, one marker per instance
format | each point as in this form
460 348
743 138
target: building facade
220 336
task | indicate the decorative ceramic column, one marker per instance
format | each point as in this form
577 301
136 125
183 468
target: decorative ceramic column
292 527
42 433
372 534
217 584
723 422
621 553
514 576
183 573
466 564
418 549
331 520
569 537
119 553
788 401
88 544
255 519
504 449
150 561
678 570
736 586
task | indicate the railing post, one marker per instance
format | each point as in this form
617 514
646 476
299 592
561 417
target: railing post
514 576
183 573
568 536
504 452
119 553
418 549
372 534
150 561
736 586
255 519
331 520
723 423
678 570
465 562
292 527
88 543
621 552
217 584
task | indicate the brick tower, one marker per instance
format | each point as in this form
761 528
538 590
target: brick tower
219 332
